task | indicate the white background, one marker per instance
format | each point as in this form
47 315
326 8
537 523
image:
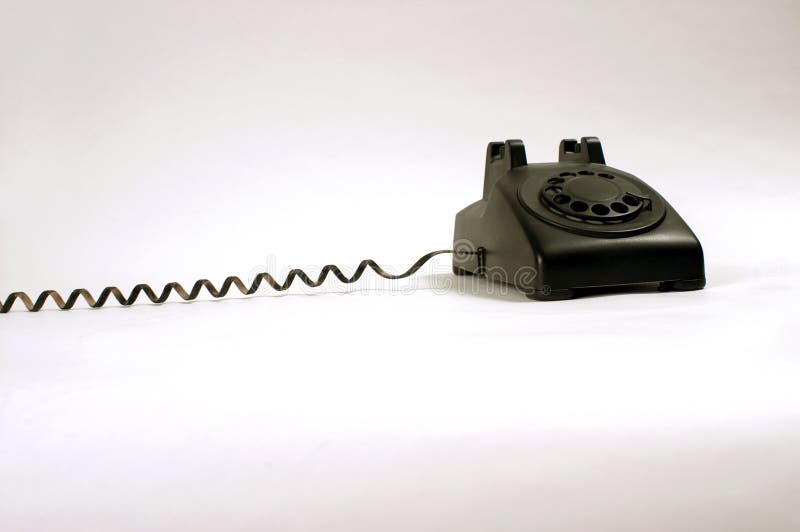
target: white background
160 141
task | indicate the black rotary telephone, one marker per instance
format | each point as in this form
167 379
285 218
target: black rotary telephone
555 230
552 230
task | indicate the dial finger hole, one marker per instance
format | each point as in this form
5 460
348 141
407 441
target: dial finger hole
561 199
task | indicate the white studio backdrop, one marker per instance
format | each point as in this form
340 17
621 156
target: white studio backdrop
171 141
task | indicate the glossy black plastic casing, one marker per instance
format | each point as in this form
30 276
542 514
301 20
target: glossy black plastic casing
518 236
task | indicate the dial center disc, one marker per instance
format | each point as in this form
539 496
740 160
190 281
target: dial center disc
592 188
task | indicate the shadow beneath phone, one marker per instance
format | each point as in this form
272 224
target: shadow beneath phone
472 286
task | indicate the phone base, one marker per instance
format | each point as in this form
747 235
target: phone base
682 285
552 295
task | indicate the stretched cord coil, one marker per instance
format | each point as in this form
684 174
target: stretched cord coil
145 289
